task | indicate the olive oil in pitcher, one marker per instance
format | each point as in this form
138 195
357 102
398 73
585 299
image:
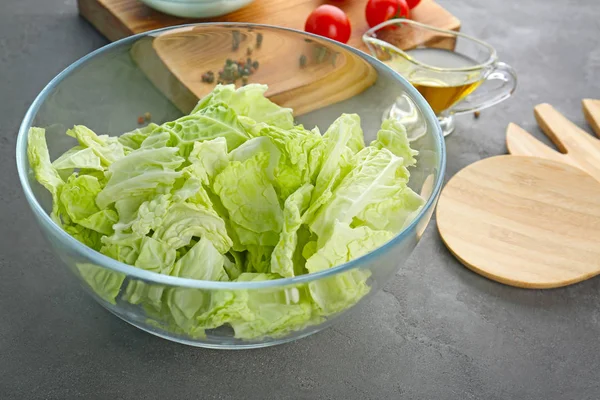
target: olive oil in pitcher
439 84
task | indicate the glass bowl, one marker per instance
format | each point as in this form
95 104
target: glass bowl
160 73
197 8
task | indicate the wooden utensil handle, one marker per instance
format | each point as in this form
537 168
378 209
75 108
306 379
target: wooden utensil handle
521 143
578 147
591 110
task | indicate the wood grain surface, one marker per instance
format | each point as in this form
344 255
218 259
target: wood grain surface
191 51
575 146
117 19
523 221
175 61
591 110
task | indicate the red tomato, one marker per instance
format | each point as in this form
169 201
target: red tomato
329 21
412 3
379 11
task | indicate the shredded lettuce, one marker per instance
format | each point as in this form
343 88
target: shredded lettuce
392 136
250 199
107 149
45 173
249 101
282 259
372 181
233 192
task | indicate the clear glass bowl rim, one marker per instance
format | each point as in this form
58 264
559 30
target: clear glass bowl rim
369 38
153 277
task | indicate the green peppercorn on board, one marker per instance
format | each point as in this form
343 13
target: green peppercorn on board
325 75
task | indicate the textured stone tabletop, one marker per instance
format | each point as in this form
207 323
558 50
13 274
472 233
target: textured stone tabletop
437 330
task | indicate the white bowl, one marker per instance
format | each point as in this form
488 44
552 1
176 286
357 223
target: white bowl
197 8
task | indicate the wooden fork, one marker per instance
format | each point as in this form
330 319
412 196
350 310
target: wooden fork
576 146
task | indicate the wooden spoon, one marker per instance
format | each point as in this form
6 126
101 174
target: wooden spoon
530 222
523 221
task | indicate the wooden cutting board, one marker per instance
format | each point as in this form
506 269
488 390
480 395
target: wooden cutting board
117 19
523 221
175 61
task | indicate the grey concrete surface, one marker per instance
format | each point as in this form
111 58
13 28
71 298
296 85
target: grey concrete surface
437 331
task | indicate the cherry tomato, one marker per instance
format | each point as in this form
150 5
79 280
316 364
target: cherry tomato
329 21
412 3
379 11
